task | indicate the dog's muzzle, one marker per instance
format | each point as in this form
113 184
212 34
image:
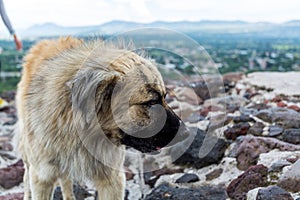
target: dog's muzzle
173 131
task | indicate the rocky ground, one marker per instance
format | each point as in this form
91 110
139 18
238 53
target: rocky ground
254 132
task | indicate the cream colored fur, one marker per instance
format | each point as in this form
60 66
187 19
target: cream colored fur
56 73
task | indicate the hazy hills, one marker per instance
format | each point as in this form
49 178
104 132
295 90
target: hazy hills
289 29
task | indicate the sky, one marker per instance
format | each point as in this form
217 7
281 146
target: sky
25 13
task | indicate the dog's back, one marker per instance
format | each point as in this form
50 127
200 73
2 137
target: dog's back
42 51
48 140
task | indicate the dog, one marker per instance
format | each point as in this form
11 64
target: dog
80 103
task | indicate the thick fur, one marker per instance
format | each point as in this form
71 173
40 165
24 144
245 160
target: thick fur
64 103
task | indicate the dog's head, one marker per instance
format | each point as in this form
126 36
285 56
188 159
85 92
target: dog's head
129 102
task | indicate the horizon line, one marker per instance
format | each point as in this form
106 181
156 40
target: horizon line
164 21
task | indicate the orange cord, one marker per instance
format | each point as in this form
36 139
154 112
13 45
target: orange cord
18 43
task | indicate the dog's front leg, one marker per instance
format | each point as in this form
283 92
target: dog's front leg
27 189
40 189
67 189
112 189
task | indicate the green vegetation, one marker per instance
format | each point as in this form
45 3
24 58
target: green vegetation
286 47
249 54
9 84
11 61
231 52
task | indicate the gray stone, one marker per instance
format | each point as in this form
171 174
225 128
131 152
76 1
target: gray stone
265 115
279 83
79 192
292 136
243 118
278 165
166 191
192 155
195 117
283 117
275 131
188 178
257 129
273 193
227 101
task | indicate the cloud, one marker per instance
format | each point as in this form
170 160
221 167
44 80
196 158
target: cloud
92 12
184 5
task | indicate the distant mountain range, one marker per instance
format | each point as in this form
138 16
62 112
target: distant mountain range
289 29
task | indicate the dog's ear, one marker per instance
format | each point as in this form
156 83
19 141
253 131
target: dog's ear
88 90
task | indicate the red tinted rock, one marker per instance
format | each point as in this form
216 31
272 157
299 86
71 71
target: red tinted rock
249 93
16 196
249 148
290 179
281 104
12 175
165 171
9 110
233 76
18 164
255 176
294 107
185 94
204 112
214 174
293 159
211 108
129 174
237 130
277 99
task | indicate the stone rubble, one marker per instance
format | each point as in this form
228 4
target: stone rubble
252 133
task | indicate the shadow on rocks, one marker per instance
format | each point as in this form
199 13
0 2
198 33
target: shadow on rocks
191 156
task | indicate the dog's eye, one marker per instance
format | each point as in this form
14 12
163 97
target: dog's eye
151 103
